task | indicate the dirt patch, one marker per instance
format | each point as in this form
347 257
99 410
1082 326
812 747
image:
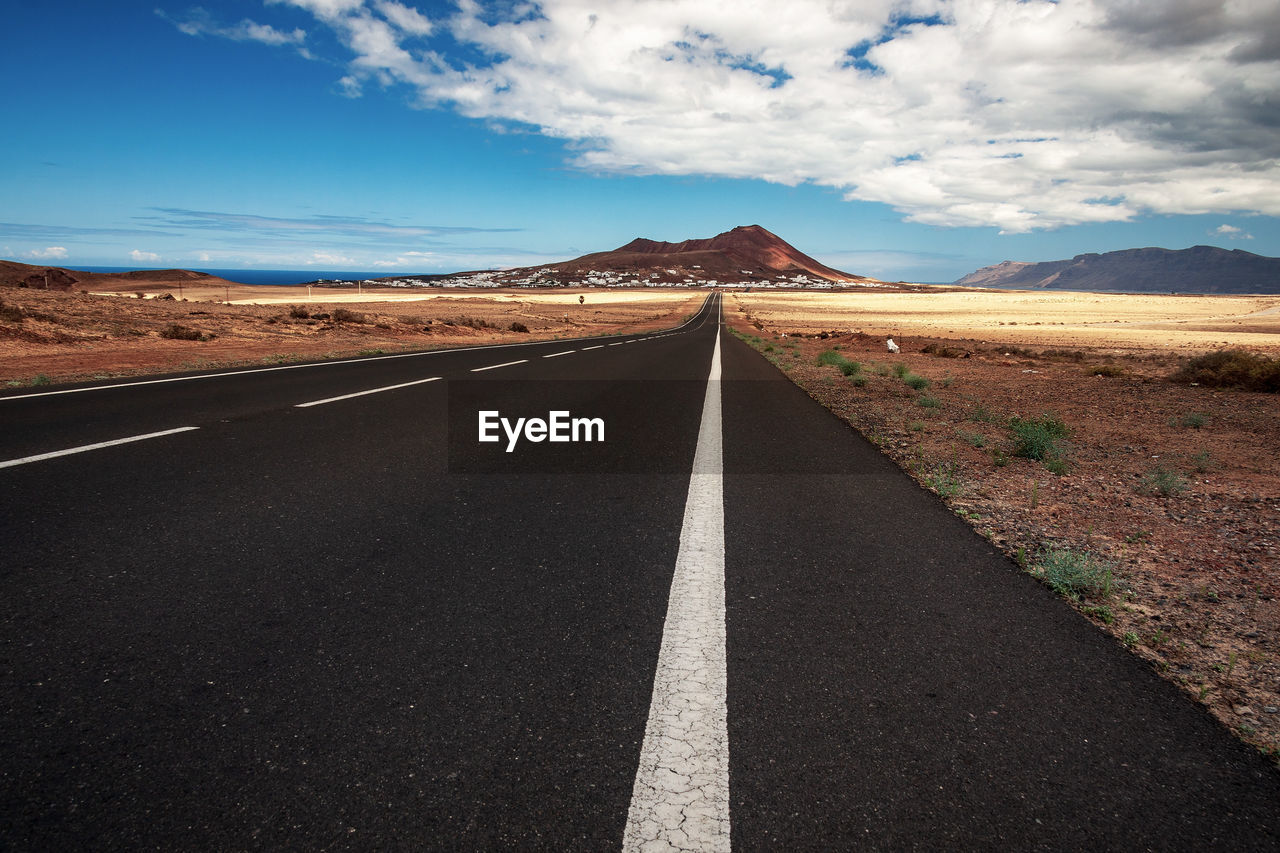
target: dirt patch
51 336
1174 490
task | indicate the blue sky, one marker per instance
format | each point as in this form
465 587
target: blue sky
912 139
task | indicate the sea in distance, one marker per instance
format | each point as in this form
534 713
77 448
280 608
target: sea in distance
272 277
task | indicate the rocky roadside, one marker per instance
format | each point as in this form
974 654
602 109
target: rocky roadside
1155 509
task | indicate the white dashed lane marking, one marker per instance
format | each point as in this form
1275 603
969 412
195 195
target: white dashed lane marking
362 393
98 446
496 366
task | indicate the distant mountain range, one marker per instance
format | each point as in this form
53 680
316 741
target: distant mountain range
1200 269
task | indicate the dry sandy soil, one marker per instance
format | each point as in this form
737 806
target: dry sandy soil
1197 569
56 336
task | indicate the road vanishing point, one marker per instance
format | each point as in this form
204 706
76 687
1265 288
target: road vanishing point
303 607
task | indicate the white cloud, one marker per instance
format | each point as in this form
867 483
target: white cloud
141 256
335 259
53 253
199 22
1021 114
1231 232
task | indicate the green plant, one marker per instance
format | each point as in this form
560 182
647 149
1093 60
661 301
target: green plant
1042 439
830 356
1075 574
370 352
900 370
916 426
1231 368
41 379
944 479
947 380
858 380
1202 462
1101 613
1195 420
517 326
915 381
982 414
1130 639
973 439
851 368
928 402
1035 494
1162 481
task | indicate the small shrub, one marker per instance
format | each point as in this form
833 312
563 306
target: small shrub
10 313
1162 481
41 379
174 332
1076 574
1232 368
1110 370
1202 463
299 312
517 326
1042 439
916 426
1195 420
346 315
973 439
858 380
982 414
945 480
370 352
830 357
900 370
916 382
928 402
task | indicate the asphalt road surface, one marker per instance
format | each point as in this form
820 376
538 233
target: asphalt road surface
307 608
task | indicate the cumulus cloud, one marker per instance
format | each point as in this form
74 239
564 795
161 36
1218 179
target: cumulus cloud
1231 232
1021 114
141 256
198 22
52 253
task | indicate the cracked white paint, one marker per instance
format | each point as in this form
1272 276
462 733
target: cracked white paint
681 796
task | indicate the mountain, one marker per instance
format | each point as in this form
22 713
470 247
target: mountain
747 255
746 250
1200 269
14 274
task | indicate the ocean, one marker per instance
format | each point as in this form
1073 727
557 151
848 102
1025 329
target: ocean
275 277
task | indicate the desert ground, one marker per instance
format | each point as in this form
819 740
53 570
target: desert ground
1173 489
50 336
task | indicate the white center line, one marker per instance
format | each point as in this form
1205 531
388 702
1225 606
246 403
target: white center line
101 444
558 354
617 343
362 393
680 800
597 346
496 366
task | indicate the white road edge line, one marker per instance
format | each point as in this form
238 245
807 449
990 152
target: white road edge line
681 792
362 393
597 346
558 354
496 366
39 457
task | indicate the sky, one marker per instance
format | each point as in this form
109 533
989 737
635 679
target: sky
901 139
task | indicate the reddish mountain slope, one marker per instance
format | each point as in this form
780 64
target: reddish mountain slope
744 253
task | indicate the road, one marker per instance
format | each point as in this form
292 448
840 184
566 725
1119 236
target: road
324 615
